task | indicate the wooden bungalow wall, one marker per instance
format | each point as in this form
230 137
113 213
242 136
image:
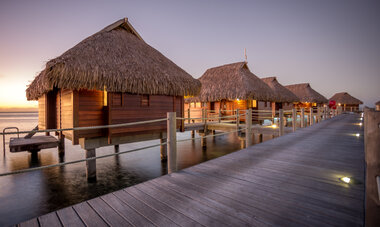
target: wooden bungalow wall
124 108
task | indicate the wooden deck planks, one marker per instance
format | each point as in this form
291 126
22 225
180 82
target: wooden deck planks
292 180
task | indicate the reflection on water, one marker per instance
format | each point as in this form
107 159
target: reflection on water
27 195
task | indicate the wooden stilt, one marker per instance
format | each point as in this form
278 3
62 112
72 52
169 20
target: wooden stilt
281 122
91 165
260 138
163 150
302 117
294 119
248 132
117 148
61 145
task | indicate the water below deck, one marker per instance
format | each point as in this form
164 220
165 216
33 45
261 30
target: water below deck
293 180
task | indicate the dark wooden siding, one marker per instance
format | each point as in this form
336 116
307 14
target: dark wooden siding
134 109
91 113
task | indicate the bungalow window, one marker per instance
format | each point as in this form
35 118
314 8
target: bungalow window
144 100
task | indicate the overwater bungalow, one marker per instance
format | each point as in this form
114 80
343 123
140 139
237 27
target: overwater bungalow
111 77
308 97
229 87
285 99
377 105
346 101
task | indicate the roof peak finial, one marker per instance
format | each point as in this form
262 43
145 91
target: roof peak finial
245 55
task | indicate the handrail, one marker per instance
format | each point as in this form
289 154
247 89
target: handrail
90 127
18 136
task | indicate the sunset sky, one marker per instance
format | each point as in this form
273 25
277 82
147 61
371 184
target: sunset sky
332 44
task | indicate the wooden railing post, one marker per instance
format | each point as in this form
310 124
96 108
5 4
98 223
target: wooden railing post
248 132
172 142
237 119
318 114
372 160
281 122
294 119
188 115
220 116
302 117
311 117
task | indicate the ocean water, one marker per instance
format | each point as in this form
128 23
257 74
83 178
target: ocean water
27 195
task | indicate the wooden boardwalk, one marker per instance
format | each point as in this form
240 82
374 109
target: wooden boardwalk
291 180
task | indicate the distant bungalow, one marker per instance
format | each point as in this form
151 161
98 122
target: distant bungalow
229 87
348 102
109 78
308 97
285 99
377 105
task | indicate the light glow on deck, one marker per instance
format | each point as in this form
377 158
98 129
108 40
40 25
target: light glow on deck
346 180
357 134
274 126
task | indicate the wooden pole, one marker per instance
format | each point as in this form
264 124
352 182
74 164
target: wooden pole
294 119
281 122
117 148
61 145
91 165
260 138
172 142
204 140
220 116
188 115
237 119
163 149
248 132
302 117
311 122
372 160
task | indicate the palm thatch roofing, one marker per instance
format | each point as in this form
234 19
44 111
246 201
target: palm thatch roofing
345 98
282 94
117 59
232 81
306 94
378 103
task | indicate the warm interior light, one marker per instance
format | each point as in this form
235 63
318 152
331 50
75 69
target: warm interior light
361 118
357 134
238 99
274 126
360 124
346 179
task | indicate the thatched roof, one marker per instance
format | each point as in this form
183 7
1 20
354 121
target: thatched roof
282 94
345 98
232 81
378 103
116 58
306 94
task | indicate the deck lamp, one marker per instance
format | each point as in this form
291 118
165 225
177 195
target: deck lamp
274 126
357 134
346 180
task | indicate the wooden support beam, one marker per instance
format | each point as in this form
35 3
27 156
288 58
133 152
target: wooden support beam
193 134
281 122
61 145
172 142
237 119
248 132
163 150
203 141
260 138
220 116
91 165
117 148
302 117
311 121
294 119
188 115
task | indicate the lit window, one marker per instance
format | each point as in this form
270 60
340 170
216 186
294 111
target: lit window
144 100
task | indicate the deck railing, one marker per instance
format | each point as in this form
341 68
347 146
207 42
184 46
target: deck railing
249 116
